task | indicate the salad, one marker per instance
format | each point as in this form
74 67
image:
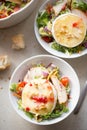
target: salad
44 93
7 7
47 16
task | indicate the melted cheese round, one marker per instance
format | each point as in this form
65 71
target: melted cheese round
69 30
39 97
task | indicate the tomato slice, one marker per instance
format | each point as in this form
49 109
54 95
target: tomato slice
40 99
20 87
49 8
2 16
22 84
65 81
47 39
16 9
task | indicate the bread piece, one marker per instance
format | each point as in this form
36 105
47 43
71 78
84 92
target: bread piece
4 63
18 42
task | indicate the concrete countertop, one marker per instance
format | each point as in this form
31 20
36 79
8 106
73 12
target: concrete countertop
9 119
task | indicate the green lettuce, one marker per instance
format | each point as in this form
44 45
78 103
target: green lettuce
43 19
79 5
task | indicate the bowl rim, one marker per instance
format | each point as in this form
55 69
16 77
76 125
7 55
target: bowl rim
46 46
54 120
17 12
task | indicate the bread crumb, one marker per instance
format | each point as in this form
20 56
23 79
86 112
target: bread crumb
18 42
4 63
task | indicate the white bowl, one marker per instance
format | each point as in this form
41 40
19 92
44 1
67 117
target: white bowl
19 15
46 45
65 69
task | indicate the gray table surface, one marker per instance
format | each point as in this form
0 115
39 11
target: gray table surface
9 119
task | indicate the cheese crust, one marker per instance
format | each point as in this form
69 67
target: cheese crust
39 97
69 30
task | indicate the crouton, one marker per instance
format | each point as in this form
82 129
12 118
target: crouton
18 42
4 62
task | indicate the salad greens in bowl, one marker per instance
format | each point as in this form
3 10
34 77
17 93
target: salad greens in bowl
66 32
44 89
13 12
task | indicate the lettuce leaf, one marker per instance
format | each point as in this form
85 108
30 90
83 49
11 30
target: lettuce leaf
79 5
43 19
13 87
